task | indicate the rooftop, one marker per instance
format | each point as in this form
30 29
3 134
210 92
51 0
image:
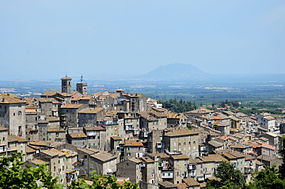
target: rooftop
103 156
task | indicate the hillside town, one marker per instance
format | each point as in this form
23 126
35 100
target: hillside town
134 138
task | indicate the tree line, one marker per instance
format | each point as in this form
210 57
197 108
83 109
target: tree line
178 106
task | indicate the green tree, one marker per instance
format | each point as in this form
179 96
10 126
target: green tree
228 177
101 182
14 173
189 126
267 178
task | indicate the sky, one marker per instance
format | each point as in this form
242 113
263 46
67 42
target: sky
44 39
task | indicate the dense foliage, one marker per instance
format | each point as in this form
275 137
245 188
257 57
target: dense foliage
101 182
227 177
15 174
178 106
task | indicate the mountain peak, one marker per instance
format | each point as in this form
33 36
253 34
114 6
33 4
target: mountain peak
175 72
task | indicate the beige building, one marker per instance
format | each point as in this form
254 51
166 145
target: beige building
234 157
3 140
207 165
182 140
133 149
180 167
78 139
96 137
56 134
13 114
60 164
103 163
16 145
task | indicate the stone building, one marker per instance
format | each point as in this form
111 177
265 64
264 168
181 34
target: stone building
182 140
96 137
89 116
103 163
180 165
66 85
69 114
78 139
3 140
130 168
60 163
13 114
81 87
16 144
133 148
56 134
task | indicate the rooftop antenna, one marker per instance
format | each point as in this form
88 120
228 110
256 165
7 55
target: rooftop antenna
81 79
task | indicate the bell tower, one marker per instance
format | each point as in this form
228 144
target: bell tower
66 85
81 87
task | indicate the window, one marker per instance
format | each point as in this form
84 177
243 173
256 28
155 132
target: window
19 113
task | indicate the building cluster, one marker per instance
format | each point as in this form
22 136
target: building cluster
133 137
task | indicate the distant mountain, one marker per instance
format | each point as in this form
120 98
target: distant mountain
176 72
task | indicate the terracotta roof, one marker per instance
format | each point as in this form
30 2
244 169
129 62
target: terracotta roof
50 93
36 161
56 130
116 138
216 144
181 132
66 78
230 154
212 158
147 160
240 146
167 184
29 150
89 151
2 128
179 157
53 152
77 135
10 99
71 106
14 138
190 182
103 156
201 110
182 186
31 110
69 153
264 145
133 143
53 119
269 118
97 128
91 110
136 160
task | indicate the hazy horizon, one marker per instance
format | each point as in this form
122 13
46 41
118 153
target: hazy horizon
49 39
